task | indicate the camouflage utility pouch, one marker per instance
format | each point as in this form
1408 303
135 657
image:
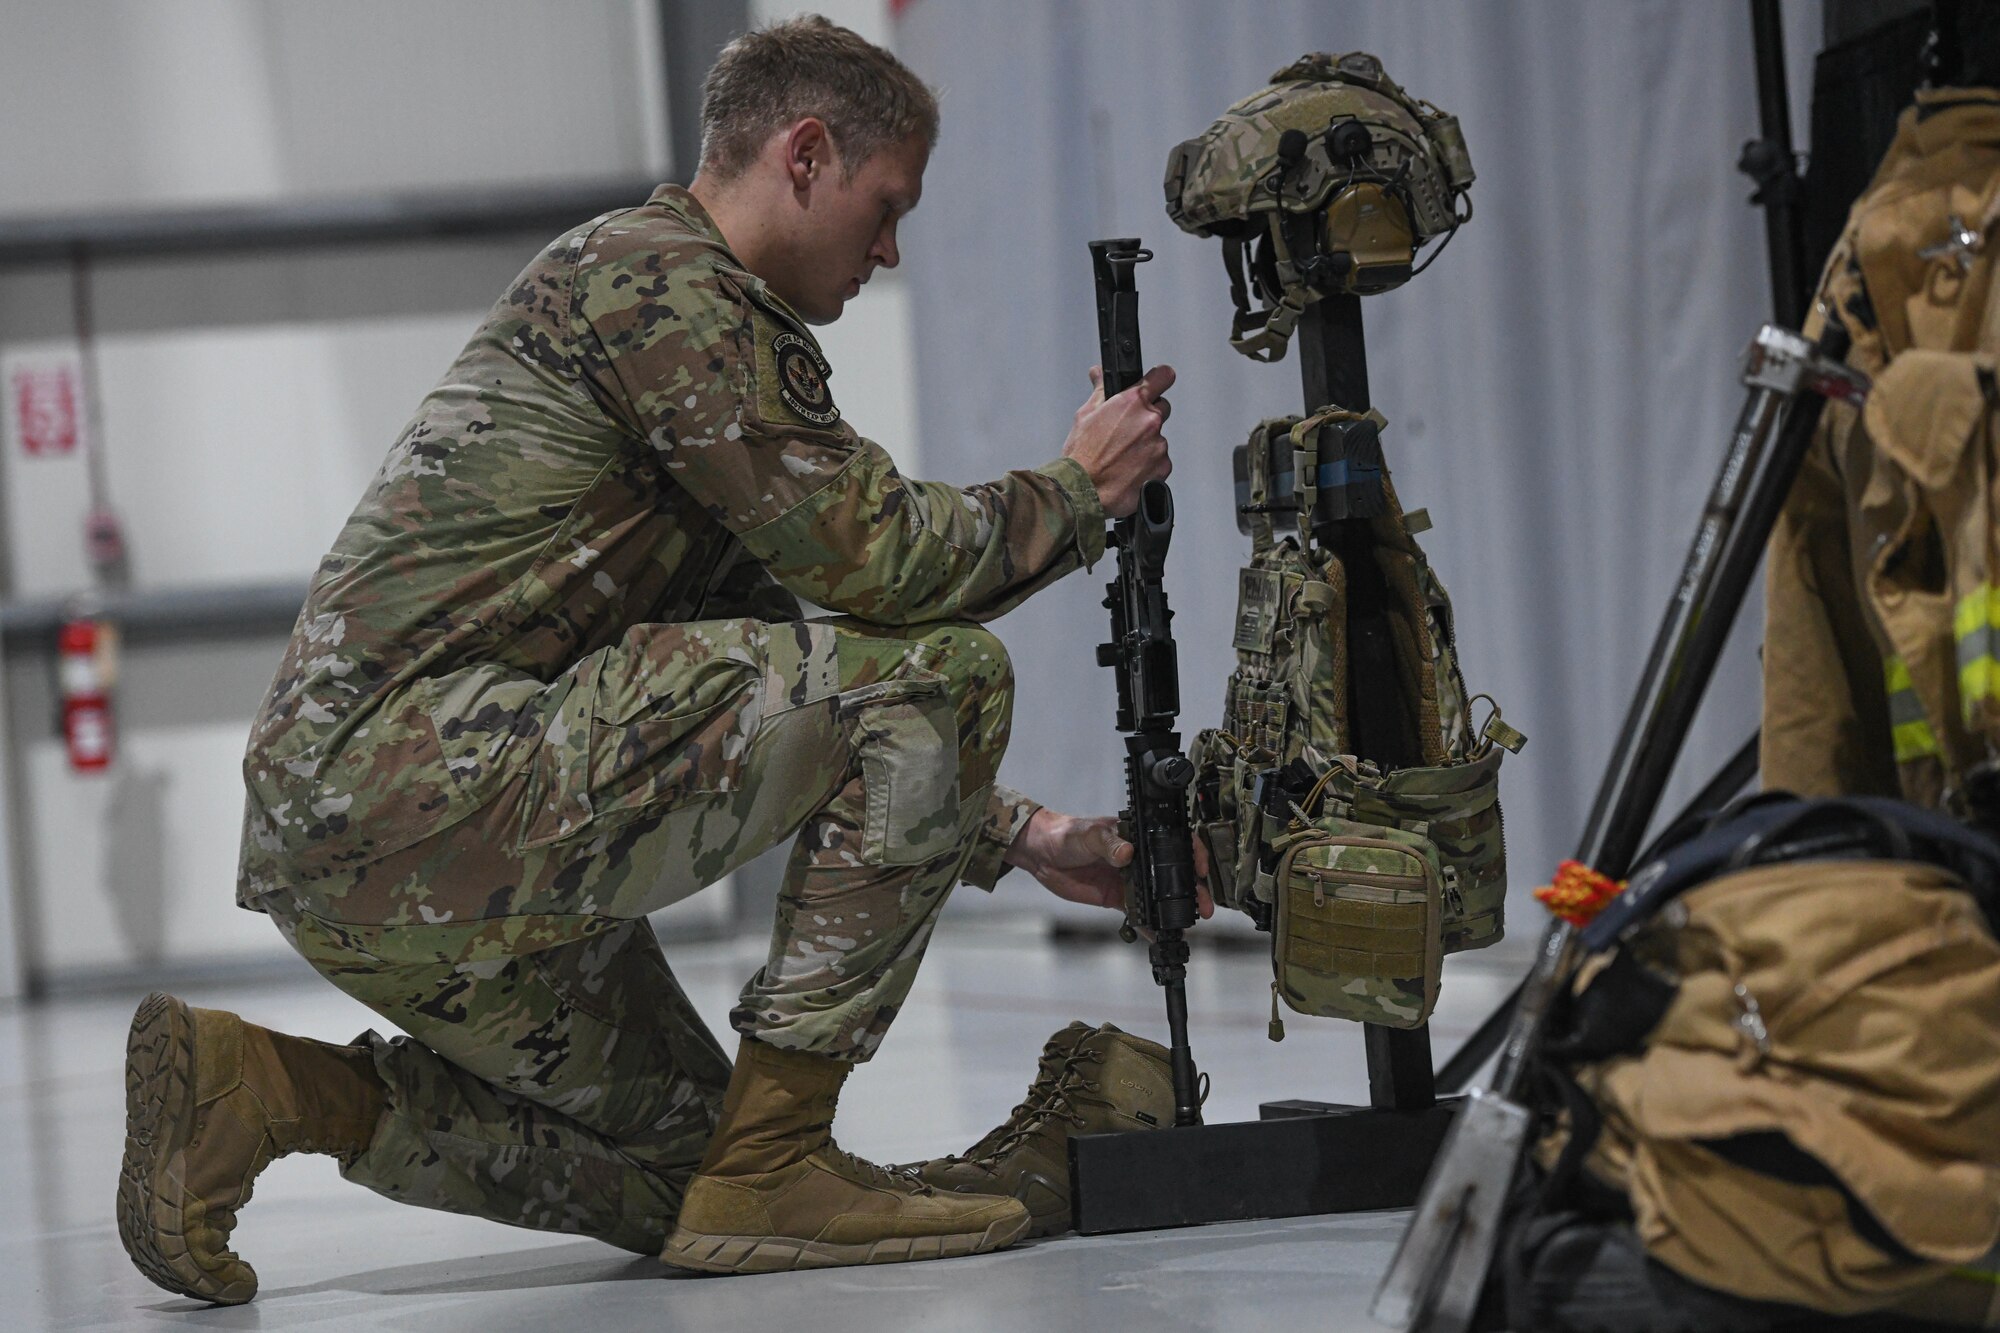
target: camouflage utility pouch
1456 807
1358 932
1282 760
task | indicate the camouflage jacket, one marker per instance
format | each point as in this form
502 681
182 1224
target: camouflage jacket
639 433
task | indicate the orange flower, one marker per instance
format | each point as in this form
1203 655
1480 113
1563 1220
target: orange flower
1578 893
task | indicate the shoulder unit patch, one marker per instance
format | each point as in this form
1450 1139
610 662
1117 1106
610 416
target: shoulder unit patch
802 375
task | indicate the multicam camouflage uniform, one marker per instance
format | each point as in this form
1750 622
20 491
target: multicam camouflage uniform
553 677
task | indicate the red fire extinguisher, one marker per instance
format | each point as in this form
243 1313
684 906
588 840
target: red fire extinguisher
87 657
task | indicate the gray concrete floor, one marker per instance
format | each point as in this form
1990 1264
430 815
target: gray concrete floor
332 1255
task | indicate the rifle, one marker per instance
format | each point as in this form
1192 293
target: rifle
1160 883
1435 1280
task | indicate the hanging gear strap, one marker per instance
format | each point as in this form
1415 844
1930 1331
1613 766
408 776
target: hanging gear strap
1264 490
1305 467
1262 334
1312 471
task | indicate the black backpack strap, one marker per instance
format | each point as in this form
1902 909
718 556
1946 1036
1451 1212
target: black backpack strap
1614 1015
1815 830
1693 861
1773 829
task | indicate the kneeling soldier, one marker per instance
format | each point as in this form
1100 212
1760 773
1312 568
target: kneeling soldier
553 676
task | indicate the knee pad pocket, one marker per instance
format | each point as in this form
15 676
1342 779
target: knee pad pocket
905 732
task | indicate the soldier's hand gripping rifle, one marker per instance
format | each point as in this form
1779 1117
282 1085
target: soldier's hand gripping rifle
1435 1281
1160 882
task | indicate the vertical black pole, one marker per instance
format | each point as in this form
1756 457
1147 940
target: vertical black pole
1333 366
1333 355
1773 164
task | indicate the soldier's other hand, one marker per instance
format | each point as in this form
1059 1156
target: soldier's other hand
1082 860
1077 859
1204 900
1119 443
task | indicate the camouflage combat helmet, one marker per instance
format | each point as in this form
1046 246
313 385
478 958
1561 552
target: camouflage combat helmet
1335 175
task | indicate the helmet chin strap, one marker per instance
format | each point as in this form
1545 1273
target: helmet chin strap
1262 334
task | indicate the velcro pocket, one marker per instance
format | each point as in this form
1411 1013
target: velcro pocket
557 799
1358 919
906 735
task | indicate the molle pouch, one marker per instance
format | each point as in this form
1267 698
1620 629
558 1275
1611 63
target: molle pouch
1286 710
1267 495
1456 807
1256 711
1358 921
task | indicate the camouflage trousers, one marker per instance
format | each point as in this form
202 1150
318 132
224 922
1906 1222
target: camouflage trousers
555 1075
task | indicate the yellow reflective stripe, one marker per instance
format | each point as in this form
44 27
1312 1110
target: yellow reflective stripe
1978 610
1976 625
1904 705
1914 740
1978 680
1908 730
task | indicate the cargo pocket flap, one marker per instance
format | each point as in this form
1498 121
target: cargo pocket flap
1923 409
906 734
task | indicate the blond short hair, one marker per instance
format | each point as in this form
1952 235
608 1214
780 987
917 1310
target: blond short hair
809 66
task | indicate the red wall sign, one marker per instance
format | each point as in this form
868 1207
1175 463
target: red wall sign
47 402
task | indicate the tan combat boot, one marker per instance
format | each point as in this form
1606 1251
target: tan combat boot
774 1192
210 1100
1091 1081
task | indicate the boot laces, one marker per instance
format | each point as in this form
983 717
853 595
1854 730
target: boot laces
901 1178
1051 1068
1047 1100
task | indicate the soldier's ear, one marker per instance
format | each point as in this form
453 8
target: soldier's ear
809 153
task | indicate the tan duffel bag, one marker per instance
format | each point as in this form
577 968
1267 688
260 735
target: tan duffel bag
1816 1118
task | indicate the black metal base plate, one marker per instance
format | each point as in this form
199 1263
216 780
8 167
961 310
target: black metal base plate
1300 1159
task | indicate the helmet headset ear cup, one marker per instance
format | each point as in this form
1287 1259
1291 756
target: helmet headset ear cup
1360 242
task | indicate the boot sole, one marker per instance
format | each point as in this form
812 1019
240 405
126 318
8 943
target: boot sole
159 1095
778 1254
